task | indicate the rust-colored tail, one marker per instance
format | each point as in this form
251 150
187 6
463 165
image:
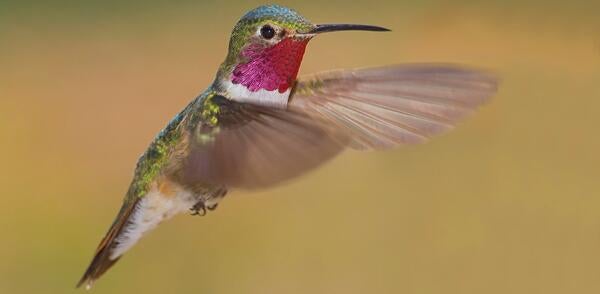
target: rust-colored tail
102 260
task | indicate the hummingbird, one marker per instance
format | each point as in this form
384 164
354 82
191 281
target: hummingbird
258 124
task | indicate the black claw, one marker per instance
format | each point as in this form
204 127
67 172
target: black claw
199 209
213 207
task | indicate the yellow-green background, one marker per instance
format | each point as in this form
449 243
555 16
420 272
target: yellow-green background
507 203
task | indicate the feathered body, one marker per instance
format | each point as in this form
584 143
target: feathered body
258 125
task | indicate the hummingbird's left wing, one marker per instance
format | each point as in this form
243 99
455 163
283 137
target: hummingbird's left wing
255 146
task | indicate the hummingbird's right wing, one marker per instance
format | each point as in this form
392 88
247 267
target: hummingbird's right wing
382 108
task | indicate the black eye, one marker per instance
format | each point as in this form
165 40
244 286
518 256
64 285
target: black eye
267 32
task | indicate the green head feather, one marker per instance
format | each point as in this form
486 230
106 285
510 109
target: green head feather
250 23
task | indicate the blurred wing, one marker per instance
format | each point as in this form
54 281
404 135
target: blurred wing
381 108
257 146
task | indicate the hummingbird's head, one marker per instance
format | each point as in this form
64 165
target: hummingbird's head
265 51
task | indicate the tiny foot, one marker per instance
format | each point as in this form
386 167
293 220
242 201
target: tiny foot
199 208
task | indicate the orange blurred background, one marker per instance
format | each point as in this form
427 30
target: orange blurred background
507 203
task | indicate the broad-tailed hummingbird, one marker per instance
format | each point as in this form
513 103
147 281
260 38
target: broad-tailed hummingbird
258 124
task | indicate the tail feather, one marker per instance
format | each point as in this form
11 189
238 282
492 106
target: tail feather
103 259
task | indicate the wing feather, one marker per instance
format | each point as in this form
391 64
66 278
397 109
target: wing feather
256 146
381 108
366 109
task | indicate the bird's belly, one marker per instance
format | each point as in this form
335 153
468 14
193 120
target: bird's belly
161 203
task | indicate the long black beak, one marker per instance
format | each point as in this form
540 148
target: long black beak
325 28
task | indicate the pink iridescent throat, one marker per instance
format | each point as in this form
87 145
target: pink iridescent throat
272 68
